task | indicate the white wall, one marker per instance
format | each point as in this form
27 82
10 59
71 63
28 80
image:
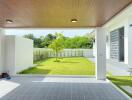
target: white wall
23 53
2 37
19 54
10 54
107 45
121 20
116 25
129 41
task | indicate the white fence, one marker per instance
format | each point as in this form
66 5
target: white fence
40 53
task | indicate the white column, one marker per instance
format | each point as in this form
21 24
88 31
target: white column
2 37
100 43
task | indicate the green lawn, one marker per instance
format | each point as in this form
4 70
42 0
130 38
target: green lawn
66 66
122 81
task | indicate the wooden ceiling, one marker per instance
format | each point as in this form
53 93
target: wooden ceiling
58 13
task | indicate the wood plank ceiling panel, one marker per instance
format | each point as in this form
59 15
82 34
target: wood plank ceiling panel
58 13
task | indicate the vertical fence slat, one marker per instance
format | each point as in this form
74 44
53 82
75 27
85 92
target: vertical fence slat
41 53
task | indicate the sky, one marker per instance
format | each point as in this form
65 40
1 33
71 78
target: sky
40 32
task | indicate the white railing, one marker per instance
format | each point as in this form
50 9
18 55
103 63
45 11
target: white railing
41 53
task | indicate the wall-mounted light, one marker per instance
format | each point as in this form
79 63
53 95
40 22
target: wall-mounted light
74 20
8 21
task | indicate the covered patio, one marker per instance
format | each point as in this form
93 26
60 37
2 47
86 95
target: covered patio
60 14
58 88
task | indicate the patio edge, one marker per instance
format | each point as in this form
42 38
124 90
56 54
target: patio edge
42 75
119 90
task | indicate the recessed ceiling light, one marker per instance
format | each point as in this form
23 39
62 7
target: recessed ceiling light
73 20
8 21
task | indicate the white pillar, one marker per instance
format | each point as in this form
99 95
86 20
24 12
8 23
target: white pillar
2 37
100 43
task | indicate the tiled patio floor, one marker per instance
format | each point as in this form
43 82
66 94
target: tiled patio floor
57 88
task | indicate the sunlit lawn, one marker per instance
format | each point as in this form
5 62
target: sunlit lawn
66 66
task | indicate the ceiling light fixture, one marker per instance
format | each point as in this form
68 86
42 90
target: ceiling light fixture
8 21
73 20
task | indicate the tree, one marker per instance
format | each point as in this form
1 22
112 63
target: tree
68 42
29 36
57 44
47 40
37 43
79 42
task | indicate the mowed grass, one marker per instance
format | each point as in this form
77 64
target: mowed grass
122 81
66 66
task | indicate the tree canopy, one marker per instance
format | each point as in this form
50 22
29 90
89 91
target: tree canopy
68 42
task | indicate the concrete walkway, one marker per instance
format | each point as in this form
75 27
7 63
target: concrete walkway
57 88
116 68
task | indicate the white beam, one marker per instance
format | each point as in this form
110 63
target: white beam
100 43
